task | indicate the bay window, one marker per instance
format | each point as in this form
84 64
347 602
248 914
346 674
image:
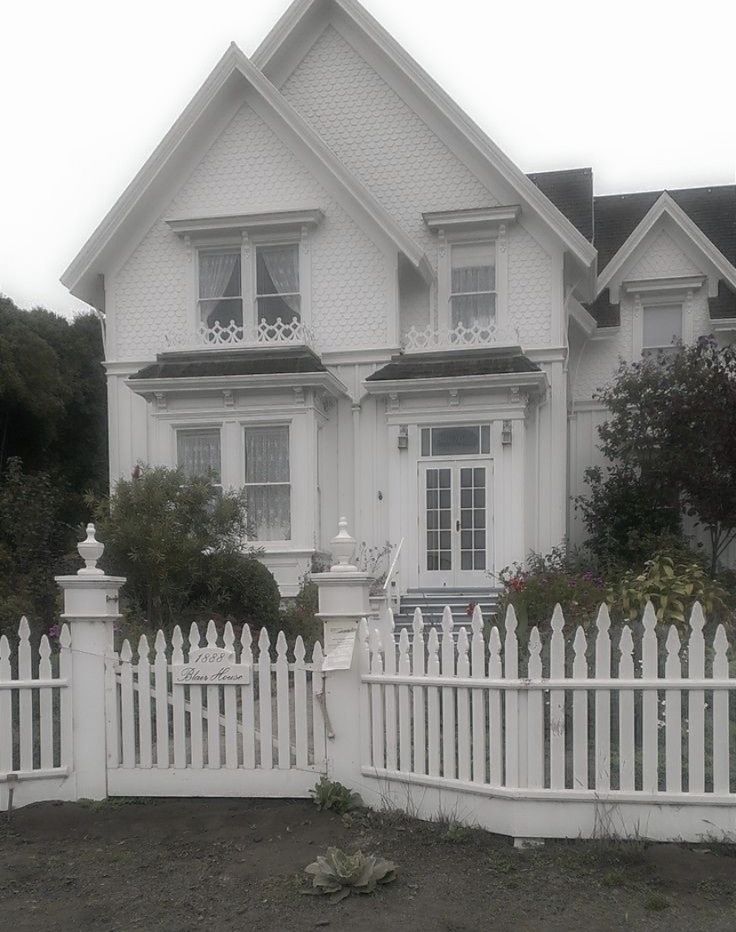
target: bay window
220 288
268 483
277 283
198 454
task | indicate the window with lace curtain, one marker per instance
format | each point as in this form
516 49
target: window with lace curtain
268 483
473 284
220 287
277 283
198 454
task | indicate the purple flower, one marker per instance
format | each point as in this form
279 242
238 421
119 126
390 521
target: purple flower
55 632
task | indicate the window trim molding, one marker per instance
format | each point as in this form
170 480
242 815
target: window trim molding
235 224
661 299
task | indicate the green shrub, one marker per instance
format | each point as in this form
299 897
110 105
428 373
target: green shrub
339 874
239 587
333 796
300 616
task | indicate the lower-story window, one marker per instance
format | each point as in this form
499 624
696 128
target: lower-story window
268 483
198 454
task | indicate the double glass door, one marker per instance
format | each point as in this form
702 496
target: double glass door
454 523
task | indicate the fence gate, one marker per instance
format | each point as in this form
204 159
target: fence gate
212 719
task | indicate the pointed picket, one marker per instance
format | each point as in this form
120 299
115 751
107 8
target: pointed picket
144 704
378 749
557 703
418 697
25 696
405 734
463 708
265 710
626 746
6 708
161 690
230 705
45 710
580 714
495 726
66 720
300 704
127 704
721 774
603 702
195 708
535 715
389 665
649 701
673 715
696 703
364 665
247 701
433 706
478 697
283 726
449 736
319 736
178 714
214 750
511 717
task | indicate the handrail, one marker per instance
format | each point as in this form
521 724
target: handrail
392 567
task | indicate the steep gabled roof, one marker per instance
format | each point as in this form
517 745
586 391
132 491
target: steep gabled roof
571 191
300 25
82 275
666 205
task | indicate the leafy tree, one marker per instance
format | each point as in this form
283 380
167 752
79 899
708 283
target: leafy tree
671 432
180 546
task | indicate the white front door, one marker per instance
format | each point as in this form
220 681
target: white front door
454 500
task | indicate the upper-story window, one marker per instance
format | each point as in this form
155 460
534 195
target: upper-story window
220 287
661 328
473 284
277 283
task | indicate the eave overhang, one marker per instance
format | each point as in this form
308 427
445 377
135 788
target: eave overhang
325 381
528 381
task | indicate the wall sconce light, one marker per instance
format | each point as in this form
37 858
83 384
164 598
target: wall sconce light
506 434
403 442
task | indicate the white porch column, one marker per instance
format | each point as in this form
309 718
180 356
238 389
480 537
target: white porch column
90 608
343 602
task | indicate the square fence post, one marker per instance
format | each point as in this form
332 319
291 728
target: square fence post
90 609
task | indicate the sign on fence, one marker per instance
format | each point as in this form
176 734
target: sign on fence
339 644
211 666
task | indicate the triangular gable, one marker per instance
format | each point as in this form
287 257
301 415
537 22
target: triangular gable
82 275
300 25
667 206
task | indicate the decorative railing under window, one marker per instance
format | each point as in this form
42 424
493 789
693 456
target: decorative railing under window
279 333
426 339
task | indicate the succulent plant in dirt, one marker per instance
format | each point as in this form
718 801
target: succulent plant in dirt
329 794
338 874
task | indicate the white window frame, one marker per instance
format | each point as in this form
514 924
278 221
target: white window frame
191 428
641 303
255 425
282 239
229 246
497 237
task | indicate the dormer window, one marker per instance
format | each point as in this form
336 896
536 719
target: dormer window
473 284
277 283
661 329
220 287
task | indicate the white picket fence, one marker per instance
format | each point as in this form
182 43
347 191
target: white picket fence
35 718
266 738
586 741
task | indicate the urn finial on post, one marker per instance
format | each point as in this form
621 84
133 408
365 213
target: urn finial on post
343 547
90 550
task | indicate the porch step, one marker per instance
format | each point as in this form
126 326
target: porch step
432 602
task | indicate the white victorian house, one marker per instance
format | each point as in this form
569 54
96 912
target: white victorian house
329 286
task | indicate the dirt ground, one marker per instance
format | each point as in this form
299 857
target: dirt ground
237 864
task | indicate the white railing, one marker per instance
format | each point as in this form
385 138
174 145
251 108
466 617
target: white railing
35 733
392 587
427 339
557 727
280 333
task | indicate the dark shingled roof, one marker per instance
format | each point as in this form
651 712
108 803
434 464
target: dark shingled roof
452 365
724 305
571 191
259 361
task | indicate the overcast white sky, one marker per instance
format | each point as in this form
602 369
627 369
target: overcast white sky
641 90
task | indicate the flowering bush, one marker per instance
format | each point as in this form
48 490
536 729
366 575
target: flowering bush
546 579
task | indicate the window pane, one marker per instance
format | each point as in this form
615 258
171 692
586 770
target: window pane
455 440
221 312
662 325
271 309
198 453
277 269
268 508
485 438
425 441
219 274
473 309
267 454
473 268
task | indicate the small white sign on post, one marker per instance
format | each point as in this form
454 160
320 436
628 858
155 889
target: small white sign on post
339 644
211 666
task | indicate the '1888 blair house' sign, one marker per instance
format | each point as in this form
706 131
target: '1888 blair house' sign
211 666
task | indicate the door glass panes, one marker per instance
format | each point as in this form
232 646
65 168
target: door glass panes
456 441
473 518
277 283
439 519
473 284
220 291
